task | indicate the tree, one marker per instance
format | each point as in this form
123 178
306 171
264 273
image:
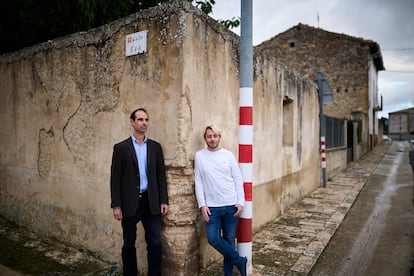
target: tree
26 22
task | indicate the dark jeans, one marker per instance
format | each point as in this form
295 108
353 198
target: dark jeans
152 227
221 234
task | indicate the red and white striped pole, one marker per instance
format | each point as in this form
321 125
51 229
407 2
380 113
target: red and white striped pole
244 229
323 160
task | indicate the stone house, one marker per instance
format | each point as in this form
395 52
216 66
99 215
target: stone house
350 66
66 102
401 124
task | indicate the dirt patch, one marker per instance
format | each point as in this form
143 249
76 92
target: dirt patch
24 251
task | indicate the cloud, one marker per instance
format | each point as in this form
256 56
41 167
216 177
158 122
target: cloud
399 91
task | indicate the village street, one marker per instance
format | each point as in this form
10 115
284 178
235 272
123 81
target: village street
377 235
360 224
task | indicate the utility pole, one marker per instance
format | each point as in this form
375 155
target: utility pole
325 95
244 229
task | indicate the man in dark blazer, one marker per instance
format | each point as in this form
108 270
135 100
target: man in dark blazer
139 193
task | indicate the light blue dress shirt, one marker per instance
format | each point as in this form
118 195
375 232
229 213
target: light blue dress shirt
141 152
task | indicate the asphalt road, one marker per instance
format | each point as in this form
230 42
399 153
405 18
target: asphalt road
377 235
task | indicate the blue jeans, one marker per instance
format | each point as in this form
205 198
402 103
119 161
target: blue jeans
221 234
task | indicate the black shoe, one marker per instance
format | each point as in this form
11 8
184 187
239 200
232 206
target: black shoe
242 266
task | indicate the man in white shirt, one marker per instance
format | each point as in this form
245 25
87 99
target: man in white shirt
220 196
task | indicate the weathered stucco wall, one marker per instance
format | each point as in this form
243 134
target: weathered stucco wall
66 102
335 161
284 171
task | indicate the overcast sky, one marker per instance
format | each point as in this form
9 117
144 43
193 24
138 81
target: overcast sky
390 23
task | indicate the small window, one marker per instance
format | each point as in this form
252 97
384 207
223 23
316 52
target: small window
292 44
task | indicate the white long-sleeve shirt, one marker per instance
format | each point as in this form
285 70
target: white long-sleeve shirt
218 180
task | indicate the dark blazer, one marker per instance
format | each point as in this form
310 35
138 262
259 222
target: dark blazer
125 177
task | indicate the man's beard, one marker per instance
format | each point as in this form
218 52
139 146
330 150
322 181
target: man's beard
213 146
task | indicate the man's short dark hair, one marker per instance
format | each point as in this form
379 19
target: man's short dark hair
132 117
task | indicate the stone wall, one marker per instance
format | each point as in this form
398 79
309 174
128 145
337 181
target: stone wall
66 102
342 59
349 64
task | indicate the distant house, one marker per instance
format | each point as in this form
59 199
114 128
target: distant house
350 65
401 124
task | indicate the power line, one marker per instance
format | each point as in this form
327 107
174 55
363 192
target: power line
397 71
398 49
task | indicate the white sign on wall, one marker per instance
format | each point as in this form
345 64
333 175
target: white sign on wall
136 43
